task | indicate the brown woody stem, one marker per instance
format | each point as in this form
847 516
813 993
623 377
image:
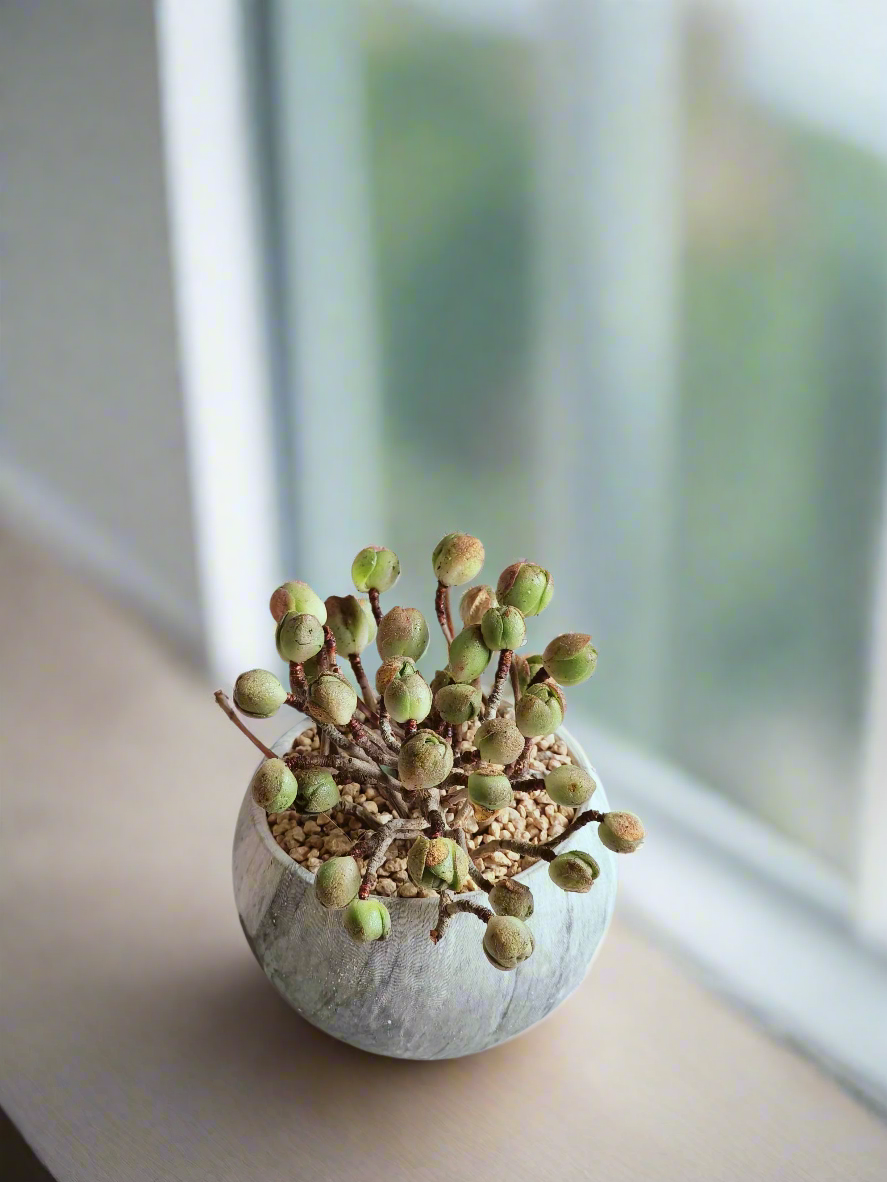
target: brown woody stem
362 680
223 703
442 611
530 849
520 764
362 737
298 680
410 727
499 681
586 818
385 727
449 907
356 768
376 856
375 606
328 652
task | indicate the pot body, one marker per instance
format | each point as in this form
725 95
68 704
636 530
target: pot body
407 997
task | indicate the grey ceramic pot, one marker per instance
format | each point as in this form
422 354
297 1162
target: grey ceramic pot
407 997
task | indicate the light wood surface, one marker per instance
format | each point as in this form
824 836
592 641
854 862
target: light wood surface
140 1041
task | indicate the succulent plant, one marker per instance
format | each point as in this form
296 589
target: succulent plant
475 602
469 656
570 659
258 693
457 558
540 710
375 568
507 941
458 703
273 786
526 586
574 871
367 920
337 882
422 800
503 627
299 637
569 785
402 633
318 791
438 862
297 597
511 897
621 832
424 761
332 699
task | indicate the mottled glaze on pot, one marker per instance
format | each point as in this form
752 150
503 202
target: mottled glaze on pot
407 997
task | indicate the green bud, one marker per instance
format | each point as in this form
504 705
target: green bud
499 741
569 785
490 788
574 871
375 568
570 659
458 702
332 699
258 693
540 710
424 760
367 920
402 633
510 897
441 678
273 786
337 882
299 637
349 624
526 586
318 791
408 698
475 602
392 668
438 862
507 941
621 832
527 668
469 656
296 597
503 627
457 558
367 608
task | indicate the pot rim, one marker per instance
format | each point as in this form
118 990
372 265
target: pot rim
259 818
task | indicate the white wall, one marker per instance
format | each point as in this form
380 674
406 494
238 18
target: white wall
93 443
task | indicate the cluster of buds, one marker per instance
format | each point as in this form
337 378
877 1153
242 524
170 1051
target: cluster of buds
403 738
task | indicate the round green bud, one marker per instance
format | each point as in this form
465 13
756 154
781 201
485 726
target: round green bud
469 656
475 602
574 871
527 668
375 568
569 785
490 788
526 586
408 698
258 693
273 786
299 637
332 699
438 862
367 920
621 832
503 627
349 623
371 619
337 882
392 668
402 633
458 702
540 710
441 678
457 558
570 659
499 741
318 791
507 941
510 897
424 760
296 597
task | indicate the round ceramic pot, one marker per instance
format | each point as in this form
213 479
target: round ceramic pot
407 997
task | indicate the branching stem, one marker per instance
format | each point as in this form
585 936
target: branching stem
586 818
442 611
505 657
363 681
449 907
375 606
225 705
530 849
385 727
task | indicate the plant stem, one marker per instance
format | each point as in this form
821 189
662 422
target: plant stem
380 843
410 727
515 682
448 908
375 606
362 737
585 818
298 680
442 611
385 727
328 652
223 703
531 849
501 673
358 770
520 764
360 673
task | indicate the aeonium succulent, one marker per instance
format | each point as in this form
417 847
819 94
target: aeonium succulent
526 586
499 741
457 558
299 637
402 633
574 871
507 941
408 697
318 791
273 786
438 862
490 788
352 626
469 655
474 602
570 659
258 693
424 761
526 668
458 703
297 597
503 627
332 699
375 568
540 710
367 920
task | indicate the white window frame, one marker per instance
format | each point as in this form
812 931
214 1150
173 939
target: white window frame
788 937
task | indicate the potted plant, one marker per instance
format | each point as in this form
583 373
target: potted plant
408 861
